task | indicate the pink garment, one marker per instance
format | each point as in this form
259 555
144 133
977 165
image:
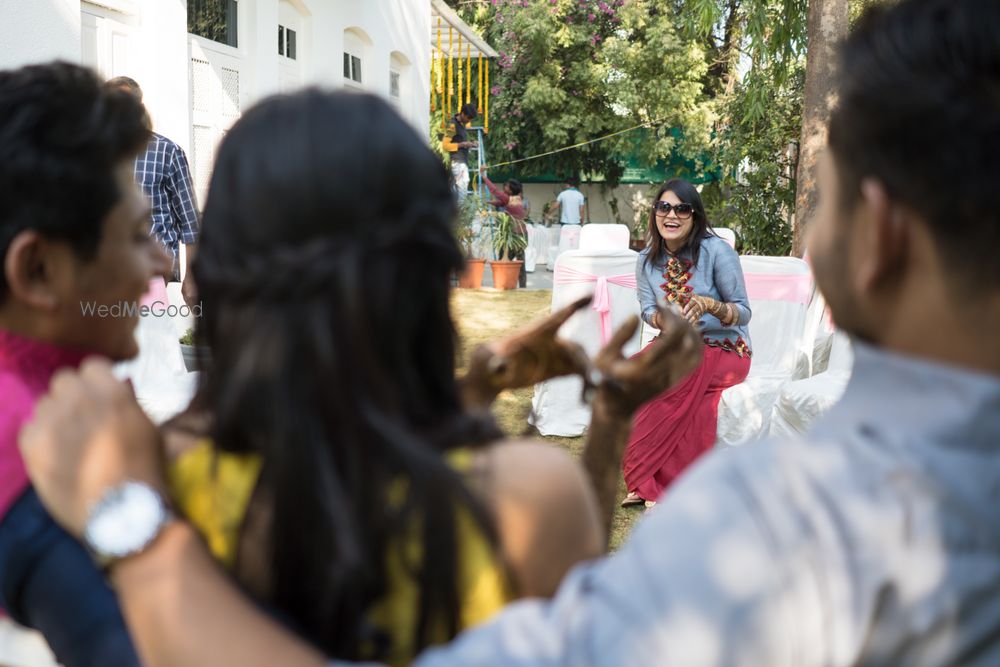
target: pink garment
26 366
502 199
601 302
671 431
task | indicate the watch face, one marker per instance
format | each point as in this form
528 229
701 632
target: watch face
126 519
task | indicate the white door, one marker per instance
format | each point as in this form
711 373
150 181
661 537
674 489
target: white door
215 105
105 41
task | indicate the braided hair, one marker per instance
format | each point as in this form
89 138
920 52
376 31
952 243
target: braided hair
324 271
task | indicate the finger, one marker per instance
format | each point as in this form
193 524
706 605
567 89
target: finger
558 318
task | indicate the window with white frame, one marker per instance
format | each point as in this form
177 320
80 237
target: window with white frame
286 42
394 85
352 68
357 58
216 20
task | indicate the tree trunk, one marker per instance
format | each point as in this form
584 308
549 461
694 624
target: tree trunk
828 21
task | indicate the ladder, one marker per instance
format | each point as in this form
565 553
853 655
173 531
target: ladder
477 179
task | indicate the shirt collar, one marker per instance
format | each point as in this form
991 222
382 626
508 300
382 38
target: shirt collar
36 361
918 397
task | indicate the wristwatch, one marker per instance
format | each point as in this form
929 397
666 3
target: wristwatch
124 522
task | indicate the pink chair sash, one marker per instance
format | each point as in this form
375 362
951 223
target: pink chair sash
770 287
157 292
601 303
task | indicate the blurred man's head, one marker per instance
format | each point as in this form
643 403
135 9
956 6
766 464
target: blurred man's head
906 237
468 113
74 229
128 84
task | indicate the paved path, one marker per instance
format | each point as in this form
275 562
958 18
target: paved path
540 278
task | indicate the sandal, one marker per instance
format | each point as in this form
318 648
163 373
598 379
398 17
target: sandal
632 499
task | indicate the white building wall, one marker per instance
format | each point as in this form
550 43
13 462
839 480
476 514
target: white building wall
151 44
33 31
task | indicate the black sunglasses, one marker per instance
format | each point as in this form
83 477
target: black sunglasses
683 210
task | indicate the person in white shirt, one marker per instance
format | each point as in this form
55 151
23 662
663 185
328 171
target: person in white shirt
571 204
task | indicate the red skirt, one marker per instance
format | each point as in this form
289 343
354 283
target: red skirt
671 431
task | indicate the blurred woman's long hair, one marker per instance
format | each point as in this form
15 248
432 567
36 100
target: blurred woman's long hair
324 270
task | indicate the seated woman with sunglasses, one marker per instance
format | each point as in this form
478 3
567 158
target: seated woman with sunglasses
694 270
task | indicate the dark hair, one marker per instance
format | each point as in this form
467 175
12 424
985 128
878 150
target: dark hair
919 109
700 228
61 136
470 111
128 83
515 186
326 296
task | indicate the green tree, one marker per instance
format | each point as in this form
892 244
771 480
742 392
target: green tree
571 71
727 75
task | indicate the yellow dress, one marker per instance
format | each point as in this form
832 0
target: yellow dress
213 490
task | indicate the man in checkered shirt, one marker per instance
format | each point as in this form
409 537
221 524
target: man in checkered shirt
163 174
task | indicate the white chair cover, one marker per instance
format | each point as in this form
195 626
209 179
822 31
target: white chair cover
159 378
802 402
727 235
604 237
531 251
780 289
569 238
557 408
541 240
555 233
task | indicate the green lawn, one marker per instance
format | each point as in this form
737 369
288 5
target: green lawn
485 315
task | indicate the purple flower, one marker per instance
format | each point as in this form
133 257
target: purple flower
591 17
510 146
495 90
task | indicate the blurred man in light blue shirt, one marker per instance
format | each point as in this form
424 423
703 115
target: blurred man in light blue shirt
571 204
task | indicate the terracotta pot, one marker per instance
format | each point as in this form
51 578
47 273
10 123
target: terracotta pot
472 277
505 274
637 244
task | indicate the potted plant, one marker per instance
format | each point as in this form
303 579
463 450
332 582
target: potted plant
547 214
192 352
508 241
465 231
637 239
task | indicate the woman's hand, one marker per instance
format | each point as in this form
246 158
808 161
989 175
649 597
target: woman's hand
695 308
699 305
627 383
482 170
87 435
530 356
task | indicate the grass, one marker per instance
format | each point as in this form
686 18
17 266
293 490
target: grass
486 315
